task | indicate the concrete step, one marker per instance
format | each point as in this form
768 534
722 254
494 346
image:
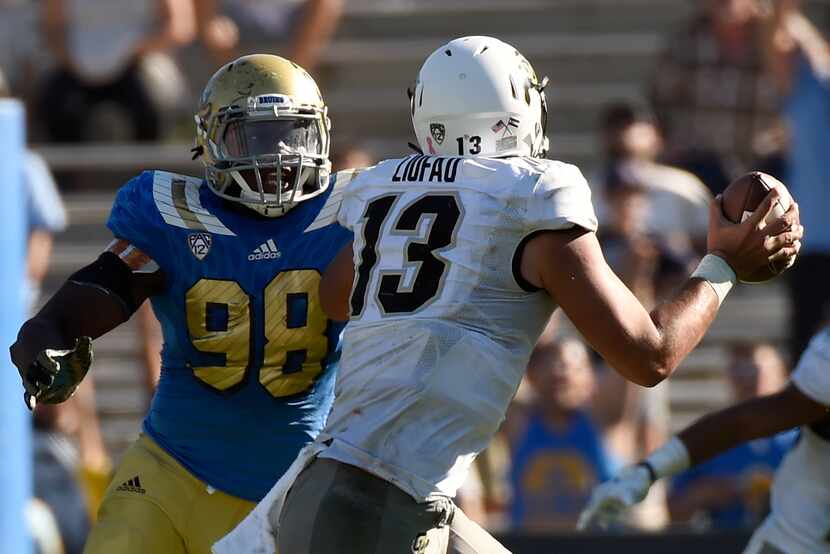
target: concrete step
455 18
532 45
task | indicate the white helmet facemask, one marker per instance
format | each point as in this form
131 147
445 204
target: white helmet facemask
478 96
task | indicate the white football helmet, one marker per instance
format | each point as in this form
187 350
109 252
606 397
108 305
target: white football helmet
478 96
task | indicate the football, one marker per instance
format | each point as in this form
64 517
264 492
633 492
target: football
742 197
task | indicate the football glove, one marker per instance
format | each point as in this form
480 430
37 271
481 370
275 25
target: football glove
610 499
55 374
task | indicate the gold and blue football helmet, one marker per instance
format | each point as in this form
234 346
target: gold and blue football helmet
263 134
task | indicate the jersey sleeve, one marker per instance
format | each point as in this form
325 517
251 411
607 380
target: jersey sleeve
348 200
134 217
812 375
560 199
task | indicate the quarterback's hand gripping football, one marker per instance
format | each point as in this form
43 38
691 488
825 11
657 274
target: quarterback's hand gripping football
757 242
54 375
610 499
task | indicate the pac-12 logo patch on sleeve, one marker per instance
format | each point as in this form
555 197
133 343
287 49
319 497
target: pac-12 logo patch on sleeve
199 244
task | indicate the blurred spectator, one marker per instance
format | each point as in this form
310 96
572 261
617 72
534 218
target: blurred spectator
732 490
71 467
558 453
45 216
800 63
650 263
303 28
113 73
218 32
714 100
19 40
677 200
631 252
43 528
653 217
350 156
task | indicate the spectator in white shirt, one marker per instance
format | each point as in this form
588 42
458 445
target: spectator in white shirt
111 57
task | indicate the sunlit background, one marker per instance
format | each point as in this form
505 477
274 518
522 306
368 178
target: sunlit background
660 102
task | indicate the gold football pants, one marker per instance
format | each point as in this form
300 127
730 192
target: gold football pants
154 505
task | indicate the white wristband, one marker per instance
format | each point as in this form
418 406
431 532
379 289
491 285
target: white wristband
715 271
670 459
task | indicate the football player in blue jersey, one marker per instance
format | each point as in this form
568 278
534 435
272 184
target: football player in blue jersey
232 265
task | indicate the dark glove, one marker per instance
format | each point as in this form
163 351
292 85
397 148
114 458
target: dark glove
55 374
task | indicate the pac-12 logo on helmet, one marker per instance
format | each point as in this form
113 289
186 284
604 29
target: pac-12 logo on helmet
438 132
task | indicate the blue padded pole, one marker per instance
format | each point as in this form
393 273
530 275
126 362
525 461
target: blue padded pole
15 422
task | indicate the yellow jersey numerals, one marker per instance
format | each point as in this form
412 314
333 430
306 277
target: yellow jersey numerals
219 322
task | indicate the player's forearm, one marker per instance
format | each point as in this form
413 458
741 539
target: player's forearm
718 432
681 323
643 347
653 344
74 311
759 417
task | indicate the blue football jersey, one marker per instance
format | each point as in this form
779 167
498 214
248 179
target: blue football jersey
249 356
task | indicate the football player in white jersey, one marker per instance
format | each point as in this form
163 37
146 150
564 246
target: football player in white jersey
460 256
799 521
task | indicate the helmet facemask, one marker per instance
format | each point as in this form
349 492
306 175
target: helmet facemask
268 155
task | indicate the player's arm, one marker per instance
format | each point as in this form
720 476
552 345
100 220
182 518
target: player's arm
706 438
52 351
336 285
759 417
646 347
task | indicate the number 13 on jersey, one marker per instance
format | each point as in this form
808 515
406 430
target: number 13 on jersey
443 211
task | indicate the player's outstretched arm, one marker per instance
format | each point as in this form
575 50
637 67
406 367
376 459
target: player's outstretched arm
711 435
646 347
52 351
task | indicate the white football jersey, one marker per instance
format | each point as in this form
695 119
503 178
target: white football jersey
442 324
800 500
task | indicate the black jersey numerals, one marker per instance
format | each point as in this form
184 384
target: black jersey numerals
444 213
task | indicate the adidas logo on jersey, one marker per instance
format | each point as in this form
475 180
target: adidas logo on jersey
133 485
265 251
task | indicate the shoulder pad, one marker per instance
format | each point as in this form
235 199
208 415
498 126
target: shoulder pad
177 199
328 213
